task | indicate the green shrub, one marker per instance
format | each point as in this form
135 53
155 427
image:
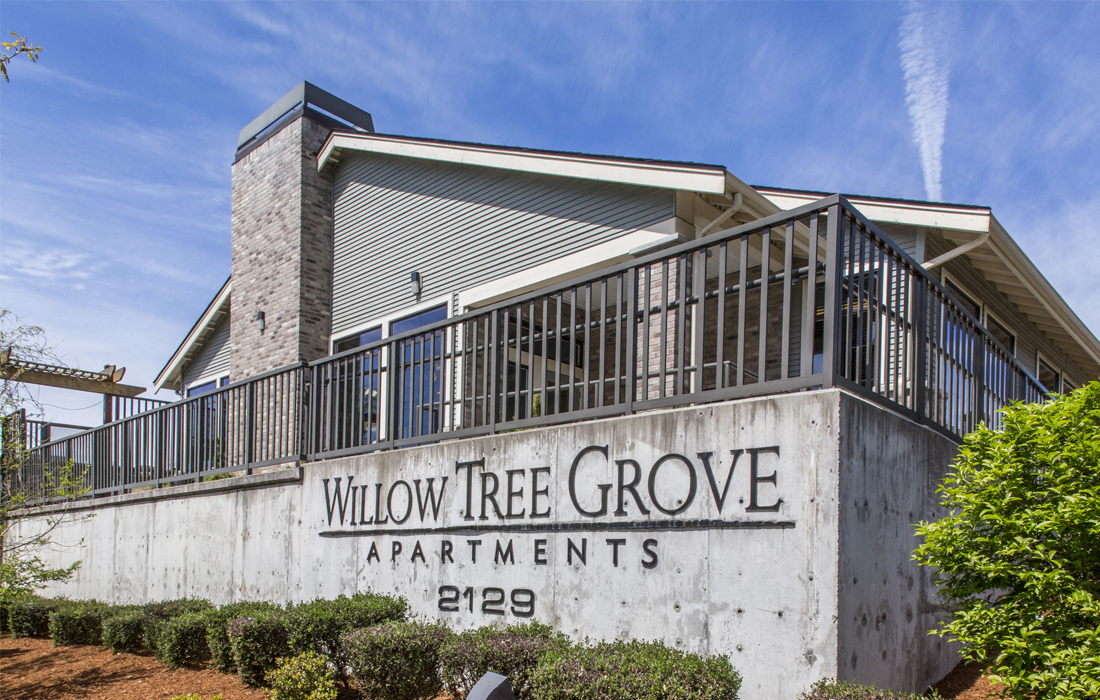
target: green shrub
1016 558
512 651
77 624
167 609
396 660
124 630
29 615
829 689
156 614
181 640
317 625
633 671
303 677
258 641
217 629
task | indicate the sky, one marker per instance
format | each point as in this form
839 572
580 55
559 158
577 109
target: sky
115 148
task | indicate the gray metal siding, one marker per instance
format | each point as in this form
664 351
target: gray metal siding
904 236
213 359
461 226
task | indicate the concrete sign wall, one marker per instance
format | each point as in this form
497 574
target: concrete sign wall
716 529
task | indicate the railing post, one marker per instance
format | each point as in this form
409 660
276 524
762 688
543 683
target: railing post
920 338
833 267
631 326
392 380
979 377
494 380
249 426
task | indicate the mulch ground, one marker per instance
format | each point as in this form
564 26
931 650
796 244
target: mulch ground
34 669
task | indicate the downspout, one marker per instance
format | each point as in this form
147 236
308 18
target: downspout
733 209
956 252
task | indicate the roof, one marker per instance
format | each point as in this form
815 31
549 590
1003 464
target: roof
676 175
170 377
999 260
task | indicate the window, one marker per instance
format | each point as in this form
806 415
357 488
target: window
1049 377
207 387
1004 336
424 318
421 380
353 341
963 299
1067 386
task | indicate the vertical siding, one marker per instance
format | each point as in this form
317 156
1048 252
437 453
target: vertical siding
213 359
461 226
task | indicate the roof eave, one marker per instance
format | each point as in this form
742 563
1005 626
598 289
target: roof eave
170 376
692 178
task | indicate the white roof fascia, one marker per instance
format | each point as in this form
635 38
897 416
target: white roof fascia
910 213
710 180
1017 261
210 317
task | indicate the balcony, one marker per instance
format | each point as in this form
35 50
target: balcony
812 298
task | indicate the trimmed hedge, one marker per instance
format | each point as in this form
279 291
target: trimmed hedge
181 640
396 660
124 630
258 641
317 626
156 614
29 616
303 677
512 651
633 671
80 623
829 689
217 630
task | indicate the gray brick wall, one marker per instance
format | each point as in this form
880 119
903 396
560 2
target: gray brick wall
282 252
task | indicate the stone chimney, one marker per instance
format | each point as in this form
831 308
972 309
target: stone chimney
282 232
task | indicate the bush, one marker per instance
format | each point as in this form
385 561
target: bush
181 640
633 671
396 660
258 641
29 615
303 677
77 624
317 626
124 630
512 651
1017 558
829 689
217 630
156 614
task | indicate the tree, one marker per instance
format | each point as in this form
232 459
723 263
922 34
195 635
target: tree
22 568
19 46
1018 558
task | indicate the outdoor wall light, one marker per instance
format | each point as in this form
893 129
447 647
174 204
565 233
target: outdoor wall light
260 318
415 284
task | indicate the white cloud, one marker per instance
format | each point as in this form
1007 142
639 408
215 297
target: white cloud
925 64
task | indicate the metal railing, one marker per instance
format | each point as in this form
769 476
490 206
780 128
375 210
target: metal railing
812 298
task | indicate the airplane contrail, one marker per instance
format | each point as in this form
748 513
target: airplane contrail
924 61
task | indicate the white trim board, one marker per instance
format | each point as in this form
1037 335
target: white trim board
210 318
910 213
711 180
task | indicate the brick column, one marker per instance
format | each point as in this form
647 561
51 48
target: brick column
282 251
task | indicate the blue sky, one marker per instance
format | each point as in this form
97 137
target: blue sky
115 149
